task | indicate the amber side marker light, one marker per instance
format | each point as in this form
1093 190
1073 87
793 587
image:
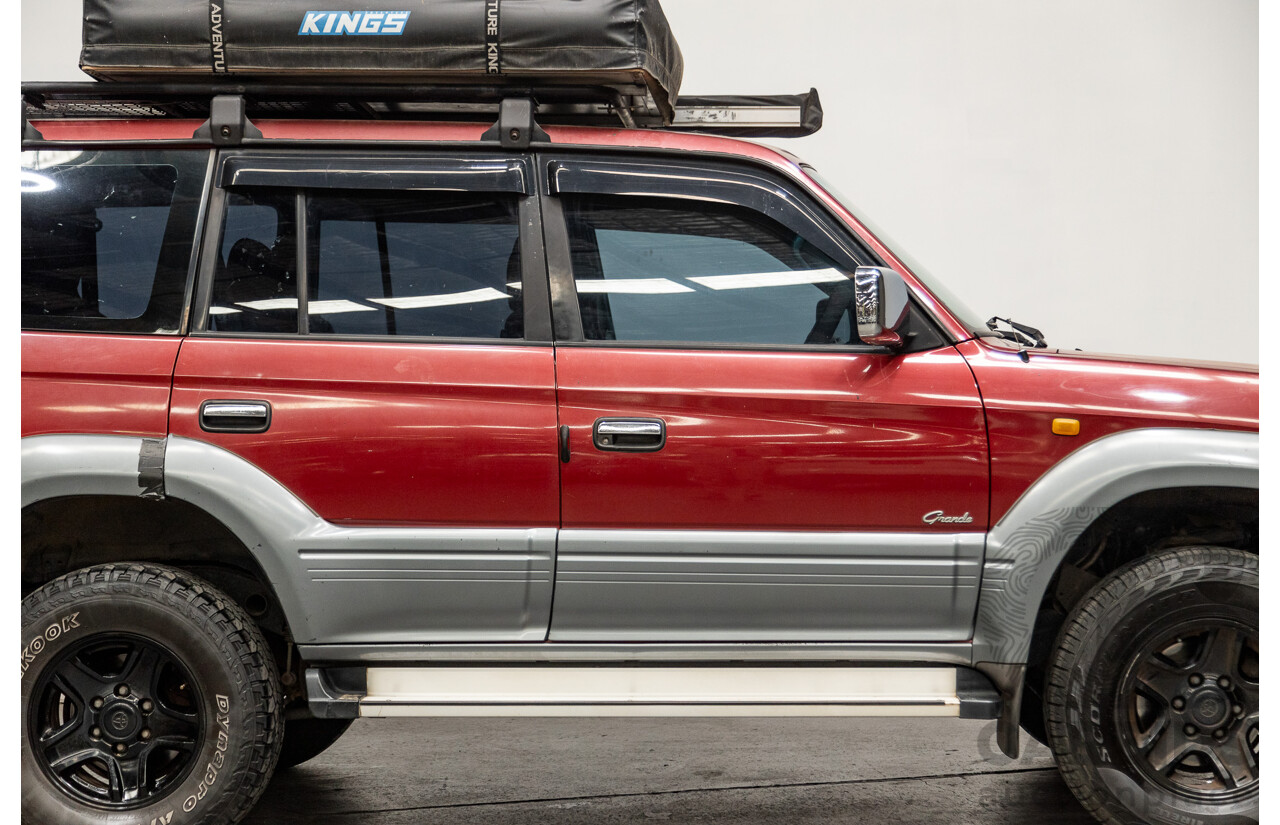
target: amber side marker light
1066 426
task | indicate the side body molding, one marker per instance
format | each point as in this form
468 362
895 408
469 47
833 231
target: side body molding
336 585
1026 547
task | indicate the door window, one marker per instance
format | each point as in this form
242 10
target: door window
107 238
427 264
256 289
431 265
659 269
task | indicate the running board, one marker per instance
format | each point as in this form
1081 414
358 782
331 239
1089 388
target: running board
650 691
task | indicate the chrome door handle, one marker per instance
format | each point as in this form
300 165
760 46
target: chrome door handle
629 435
235 416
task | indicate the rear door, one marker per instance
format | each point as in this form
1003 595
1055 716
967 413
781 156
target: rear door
741 467
373 333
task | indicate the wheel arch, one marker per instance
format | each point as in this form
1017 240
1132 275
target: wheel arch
1027 549
1137 526
93 499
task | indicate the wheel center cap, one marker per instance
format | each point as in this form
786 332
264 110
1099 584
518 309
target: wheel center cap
120 721
1209 707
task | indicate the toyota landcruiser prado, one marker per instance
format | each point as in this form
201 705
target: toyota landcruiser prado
514 386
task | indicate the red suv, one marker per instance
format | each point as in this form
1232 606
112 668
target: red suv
329 415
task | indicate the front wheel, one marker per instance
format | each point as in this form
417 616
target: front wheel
1152 696
147 696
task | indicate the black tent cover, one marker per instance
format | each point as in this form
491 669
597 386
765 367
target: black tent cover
622 44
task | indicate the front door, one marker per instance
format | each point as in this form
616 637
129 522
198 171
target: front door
382 319
741 467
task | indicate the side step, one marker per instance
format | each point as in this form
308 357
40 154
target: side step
613 690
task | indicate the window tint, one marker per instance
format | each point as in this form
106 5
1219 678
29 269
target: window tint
107 238
429 264
651 269
255 288
426 264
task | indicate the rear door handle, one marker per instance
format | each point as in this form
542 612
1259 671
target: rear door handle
235 416
629 435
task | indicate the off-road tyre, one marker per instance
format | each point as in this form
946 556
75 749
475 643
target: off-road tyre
1152 693
305 739
150 647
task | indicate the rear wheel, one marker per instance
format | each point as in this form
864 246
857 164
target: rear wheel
1152 696
148 695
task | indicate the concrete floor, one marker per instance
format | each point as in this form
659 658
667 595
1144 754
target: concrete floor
589 771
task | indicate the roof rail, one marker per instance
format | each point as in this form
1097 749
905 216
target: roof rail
742 116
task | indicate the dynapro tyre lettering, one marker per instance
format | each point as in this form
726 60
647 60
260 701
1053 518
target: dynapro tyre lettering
218 759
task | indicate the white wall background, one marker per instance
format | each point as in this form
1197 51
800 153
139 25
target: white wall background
1088 167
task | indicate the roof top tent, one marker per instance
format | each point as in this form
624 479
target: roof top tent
590 62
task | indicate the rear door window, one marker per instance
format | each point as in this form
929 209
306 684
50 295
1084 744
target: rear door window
441 265
424 264
107 238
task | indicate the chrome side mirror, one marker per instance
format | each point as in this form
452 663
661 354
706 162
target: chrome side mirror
880 295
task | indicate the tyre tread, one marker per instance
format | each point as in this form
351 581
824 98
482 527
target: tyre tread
1106 595
226 621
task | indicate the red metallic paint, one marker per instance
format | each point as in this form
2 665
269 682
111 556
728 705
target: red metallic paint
96 383
769 481
775 441
1106 393
123 130
389 433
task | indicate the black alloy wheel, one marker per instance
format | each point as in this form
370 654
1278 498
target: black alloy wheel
148 695
1192 707
1151 702
115 721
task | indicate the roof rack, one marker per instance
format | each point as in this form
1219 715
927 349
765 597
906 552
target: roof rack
740 116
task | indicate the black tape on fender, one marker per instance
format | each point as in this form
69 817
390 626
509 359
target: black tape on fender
151 468
492 34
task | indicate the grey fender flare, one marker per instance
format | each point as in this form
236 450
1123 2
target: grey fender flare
54 466
1026 547
236 493
277 527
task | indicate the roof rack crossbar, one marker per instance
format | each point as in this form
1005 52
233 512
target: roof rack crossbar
742 116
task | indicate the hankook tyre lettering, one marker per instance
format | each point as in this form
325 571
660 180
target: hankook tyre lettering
159 699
